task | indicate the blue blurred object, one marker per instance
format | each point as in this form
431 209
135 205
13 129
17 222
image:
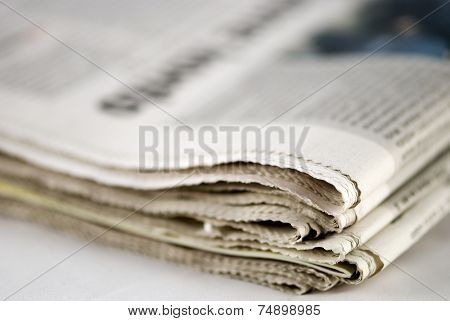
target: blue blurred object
414 44
380 21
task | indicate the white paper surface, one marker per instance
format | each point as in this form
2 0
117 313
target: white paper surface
99 272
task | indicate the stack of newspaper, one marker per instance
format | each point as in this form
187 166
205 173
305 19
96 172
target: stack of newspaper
219 142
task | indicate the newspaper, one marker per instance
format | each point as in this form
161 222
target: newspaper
399 222
361 173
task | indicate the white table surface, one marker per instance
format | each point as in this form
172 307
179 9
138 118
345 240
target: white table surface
99 272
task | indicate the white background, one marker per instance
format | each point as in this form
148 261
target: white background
99 272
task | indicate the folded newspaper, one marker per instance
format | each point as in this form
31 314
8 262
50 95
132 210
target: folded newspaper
219 142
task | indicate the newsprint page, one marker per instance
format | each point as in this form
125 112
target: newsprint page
194 159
